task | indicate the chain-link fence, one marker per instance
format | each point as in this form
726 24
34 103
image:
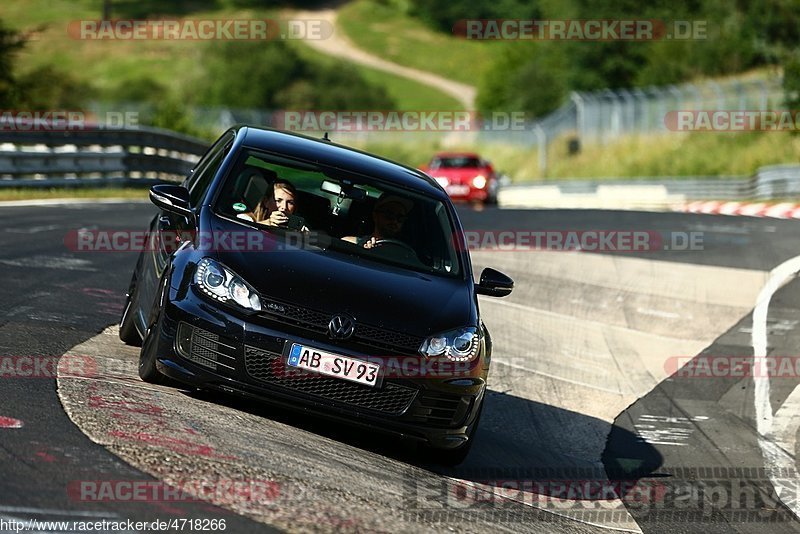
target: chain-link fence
606 115
587 118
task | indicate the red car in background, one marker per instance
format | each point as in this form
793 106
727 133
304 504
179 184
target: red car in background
465 176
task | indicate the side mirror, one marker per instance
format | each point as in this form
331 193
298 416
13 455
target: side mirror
494 284
172 198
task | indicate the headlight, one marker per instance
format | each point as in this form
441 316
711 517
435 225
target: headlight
457 345
442 180
221 284
479 181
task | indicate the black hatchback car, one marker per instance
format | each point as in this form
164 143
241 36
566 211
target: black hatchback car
316 314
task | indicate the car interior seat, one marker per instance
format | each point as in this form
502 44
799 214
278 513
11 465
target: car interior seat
314 209
252 185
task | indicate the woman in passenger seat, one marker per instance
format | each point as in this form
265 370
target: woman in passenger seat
278 205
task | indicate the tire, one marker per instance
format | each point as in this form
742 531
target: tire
127 325
148 371
147 357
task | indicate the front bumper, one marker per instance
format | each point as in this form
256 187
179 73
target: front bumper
207 346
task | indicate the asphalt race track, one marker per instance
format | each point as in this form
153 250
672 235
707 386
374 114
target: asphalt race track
602 412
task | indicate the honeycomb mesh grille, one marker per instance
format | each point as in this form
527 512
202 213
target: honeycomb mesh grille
208 350
268 367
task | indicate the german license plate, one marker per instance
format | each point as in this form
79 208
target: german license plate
329 364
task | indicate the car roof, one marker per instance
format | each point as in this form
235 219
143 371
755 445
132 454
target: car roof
328 153
456 155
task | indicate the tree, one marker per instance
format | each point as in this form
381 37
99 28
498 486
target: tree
10 43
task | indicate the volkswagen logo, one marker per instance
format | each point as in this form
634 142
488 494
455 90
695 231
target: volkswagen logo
341 327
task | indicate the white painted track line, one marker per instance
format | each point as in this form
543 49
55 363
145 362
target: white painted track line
777 432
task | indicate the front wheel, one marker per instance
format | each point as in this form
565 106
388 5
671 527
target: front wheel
147 357
127 326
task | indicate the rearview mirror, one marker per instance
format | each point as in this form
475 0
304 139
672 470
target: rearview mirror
347 190
331 187
172 198
494 284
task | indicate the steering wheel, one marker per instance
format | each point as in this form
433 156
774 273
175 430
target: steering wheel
396 242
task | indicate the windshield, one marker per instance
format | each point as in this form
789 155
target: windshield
340 212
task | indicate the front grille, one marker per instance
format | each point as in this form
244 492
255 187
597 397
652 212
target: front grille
387 339
317 321
206 348
269 367
297 316
441 409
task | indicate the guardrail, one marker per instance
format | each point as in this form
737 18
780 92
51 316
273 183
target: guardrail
96 157
769 183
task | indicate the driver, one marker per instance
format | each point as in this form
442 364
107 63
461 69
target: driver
388 216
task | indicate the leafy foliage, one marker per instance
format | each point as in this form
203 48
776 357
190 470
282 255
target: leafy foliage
538 75
273 76
10 43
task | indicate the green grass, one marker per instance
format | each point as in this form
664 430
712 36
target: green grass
677 154
175 64
407 94
73 192
104 64
410 95
674 154
385 31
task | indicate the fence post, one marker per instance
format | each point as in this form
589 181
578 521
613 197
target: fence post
644 116
541 140
580 113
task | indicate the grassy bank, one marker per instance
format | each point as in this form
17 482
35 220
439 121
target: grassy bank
672 154
62 192
385 31
109 65
407 94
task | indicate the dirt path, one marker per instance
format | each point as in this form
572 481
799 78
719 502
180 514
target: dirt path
339 45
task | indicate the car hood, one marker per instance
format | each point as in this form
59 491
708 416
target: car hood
334 282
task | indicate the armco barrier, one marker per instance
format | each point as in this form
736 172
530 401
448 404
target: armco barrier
95 157
777 182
